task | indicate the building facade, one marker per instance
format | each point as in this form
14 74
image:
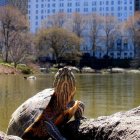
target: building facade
41 9
3 2
38 10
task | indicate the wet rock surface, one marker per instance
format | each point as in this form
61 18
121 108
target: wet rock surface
3 136
119 126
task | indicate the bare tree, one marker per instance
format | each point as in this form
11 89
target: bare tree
20 4
78 24
109 29
11 21
20 47
56 20
60 42
94 30
132 27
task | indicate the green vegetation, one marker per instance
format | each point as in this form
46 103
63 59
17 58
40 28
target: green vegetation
24 69
21 68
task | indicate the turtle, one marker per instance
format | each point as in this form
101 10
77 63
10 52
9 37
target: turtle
40 116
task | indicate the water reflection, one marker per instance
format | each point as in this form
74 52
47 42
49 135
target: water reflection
106 94
102 94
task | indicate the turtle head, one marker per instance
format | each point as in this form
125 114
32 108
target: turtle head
64 86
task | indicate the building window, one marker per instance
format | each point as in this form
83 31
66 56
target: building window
42 17
130 8
53 10
112 2
29 11
48 11
125 54
100 8
69 4
112 14
42 11
100 2
69 10
107 8
85 9
61 4
107 2
53 5
77 3
119 2
61 10
125 1
36 23
93 3
125 8
93 9
125 44
112 8
77 10
36 17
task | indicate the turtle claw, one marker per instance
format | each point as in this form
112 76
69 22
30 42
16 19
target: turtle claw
80 111
83 118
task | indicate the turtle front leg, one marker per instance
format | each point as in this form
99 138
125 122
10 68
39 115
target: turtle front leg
53 131
75 108
80 111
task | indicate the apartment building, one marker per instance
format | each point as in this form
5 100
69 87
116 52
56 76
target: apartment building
38 10
3 2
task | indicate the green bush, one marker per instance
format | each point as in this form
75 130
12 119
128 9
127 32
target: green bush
24 69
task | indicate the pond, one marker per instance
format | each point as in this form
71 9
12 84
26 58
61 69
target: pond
102 94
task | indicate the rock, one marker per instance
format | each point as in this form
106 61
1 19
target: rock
87 70
3 136
133 71
119 126
116 70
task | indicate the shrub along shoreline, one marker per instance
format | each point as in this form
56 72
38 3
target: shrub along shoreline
7 68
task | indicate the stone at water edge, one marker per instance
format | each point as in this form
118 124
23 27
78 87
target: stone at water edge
3 136
119 126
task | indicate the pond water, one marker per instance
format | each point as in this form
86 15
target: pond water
102 94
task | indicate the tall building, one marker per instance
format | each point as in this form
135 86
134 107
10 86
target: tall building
3 2
137 5
38 10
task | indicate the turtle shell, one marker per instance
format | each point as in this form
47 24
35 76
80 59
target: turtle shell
26 114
